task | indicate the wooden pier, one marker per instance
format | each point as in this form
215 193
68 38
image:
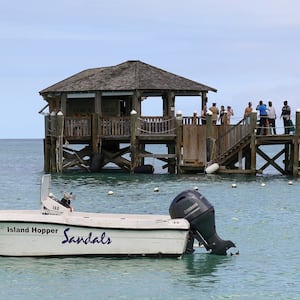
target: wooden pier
95 118
191 147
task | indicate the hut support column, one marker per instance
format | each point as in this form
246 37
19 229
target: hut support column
52 161
209 137
171 162
204 100
178 141
59 141
133 141
95 133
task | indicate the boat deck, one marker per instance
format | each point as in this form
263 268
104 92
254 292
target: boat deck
99 220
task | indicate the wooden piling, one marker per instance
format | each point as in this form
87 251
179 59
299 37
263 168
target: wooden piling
95 134
178 141
209 137
59 141
53 167
296 145
133 141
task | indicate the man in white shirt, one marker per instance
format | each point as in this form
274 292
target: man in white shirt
271 117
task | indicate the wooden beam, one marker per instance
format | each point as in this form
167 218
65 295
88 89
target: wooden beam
271 161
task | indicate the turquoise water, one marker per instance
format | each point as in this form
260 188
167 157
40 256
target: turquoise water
261 216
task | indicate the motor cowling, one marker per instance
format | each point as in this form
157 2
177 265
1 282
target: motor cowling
200 213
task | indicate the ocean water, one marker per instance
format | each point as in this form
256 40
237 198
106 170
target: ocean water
261 215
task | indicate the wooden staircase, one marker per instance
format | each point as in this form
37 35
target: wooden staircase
233 145
231 156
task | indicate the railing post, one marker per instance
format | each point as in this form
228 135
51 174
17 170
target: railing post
133 141
209 136
52 142
95 132
195 118
253 122
59 141
178 140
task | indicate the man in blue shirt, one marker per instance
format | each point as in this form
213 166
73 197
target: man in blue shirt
262 108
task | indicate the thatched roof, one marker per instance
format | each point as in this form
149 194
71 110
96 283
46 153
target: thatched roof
127 76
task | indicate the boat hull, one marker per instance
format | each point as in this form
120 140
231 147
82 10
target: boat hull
31 234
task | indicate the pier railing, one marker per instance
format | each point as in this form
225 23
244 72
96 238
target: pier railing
229 136
77 127
194 120
81 127
156 126
114 126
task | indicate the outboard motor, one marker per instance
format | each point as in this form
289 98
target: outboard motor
195 208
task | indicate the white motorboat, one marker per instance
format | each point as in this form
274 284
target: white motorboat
57 230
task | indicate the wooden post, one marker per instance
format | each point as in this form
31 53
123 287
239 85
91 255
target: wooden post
133 140
195 118
209 136
59 141
47 144
178 140
52 162
95 133
171 161
296 145
253 122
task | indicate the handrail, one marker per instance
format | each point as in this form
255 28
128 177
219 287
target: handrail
77 126
156 125
114 126
231 137
232 127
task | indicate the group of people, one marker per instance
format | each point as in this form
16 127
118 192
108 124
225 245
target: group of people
267 117
222 115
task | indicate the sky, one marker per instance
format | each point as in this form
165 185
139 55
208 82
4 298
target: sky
247 50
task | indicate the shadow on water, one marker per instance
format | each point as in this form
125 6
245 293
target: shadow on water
203 267
131 278
190 267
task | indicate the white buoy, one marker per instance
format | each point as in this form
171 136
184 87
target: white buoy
233 185
290 182
156 189
110 193
263 184
196 188
212 168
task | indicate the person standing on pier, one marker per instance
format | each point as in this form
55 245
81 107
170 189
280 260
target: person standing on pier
215 113
271 117
248 111
262 108
230 113
203 115
222 114
286 116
